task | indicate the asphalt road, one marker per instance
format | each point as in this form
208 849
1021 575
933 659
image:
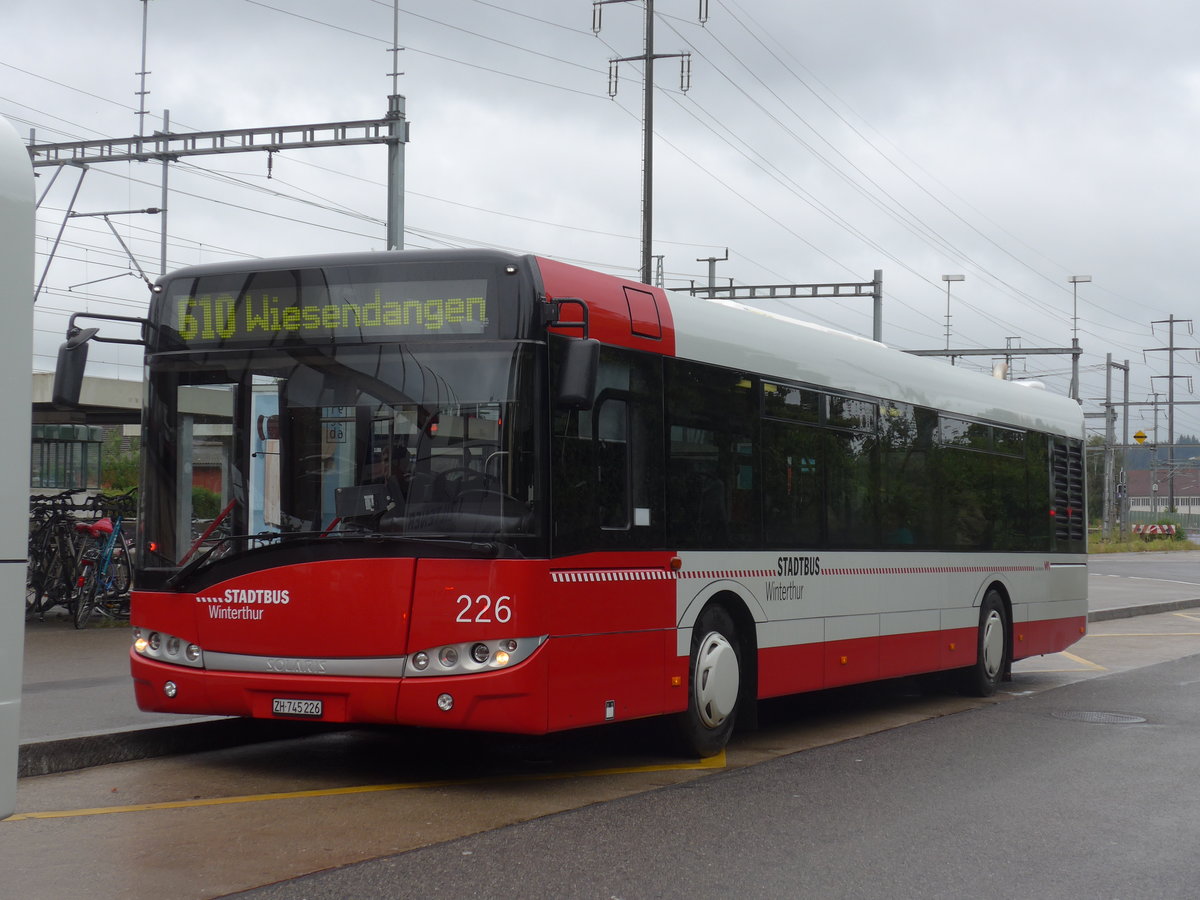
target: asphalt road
1085 791
986 798
1130 580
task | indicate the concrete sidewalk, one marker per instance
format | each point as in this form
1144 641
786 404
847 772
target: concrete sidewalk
78 709
77 706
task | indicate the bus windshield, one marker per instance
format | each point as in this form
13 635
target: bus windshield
409 442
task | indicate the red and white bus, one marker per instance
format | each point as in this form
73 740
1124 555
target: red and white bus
480 490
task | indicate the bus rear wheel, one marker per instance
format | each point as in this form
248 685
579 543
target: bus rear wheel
992 649
714 684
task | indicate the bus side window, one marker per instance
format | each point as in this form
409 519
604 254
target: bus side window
852 489
712 466
612 462
572 470
792 461
606 461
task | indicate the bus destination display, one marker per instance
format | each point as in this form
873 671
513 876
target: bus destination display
315 313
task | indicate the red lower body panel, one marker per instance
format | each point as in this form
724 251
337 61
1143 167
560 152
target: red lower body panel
202 692
814 667
512 701
1048 636
575 681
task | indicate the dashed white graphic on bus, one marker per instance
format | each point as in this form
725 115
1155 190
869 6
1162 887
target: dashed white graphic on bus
243 604
242 595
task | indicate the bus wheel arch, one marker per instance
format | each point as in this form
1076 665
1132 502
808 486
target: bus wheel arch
994 645
722 677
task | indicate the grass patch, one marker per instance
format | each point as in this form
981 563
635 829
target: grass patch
1137 545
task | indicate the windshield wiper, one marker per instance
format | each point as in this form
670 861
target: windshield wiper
195 563
477 548
198 562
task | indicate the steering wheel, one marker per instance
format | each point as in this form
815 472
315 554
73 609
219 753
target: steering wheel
452 482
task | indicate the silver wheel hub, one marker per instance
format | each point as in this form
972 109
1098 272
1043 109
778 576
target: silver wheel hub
716 680
993 644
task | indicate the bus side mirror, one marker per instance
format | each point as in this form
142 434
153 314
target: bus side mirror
577 374
68 372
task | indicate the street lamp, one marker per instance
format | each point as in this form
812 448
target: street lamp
948 279
1075 280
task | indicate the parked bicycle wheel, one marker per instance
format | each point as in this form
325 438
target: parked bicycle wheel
60 578
37 572
88 585
120 569
35 581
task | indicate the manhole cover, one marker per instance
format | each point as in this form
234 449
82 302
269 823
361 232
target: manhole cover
1099 718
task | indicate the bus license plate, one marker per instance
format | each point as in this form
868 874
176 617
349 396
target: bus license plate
287 706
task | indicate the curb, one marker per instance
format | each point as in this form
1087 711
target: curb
84 751
1149 609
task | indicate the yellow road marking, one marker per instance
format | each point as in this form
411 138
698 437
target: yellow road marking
1149 634
713 762
1071 656
1188 616
1084 662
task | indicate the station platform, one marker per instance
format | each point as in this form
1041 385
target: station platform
78 709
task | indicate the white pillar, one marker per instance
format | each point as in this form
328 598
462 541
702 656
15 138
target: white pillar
16 367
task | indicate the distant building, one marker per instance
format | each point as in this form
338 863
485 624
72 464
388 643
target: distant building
1145 502
67 445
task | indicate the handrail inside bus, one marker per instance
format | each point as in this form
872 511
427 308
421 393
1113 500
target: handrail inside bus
209 530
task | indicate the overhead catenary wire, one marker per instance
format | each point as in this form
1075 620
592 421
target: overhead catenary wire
1009 322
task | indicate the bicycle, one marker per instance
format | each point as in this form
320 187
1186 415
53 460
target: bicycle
53 549
103 570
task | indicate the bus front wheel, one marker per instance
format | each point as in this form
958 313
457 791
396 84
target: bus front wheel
714 683
983 678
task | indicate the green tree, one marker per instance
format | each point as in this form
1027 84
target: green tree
120 468
205 503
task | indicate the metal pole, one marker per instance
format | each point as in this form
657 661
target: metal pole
1171 415
61 228
648 144
948 316
1075 371
1153 466
53 178
1109 437
141 113
712 268
1075 342
395 204
877 297
399 134
1123 512
948 279
1075 282
166 168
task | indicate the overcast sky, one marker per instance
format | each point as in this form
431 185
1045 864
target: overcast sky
1017 143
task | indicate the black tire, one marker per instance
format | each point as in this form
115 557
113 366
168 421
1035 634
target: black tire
120 569
85 595
714 685
992 646
37 574
34 588
60 579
